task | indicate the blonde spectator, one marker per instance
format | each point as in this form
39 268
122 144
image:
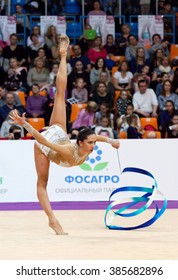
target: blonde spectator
38 75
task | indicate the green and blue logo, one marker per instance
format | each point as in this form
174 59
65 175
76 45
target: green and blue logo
93 163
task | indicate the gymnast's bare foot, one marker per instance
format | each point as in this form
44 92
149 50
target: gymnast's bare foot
63 45
55 225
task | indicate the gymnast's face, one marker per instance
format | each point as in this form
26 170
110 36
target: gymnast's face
88 144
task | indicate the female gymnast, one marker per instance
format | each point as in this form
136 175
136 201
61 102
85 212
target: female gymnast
54 144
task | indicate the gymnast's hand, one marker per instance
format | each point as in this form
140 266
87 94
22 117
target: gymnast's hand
16 118
116 144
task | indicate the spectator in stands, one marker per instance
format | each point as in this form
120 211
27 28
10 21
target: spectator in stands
144 75
164 67
157 59
105 128
109 85
21 20
80 92
131 49
77 72
16 79
99 66
9 105
110 46
158 43
15 50
15 132
159 87
85 116
173 128
122 121
167 94
136 64
6 125
122 102
165 117
34 47
50 39
3 92
53 73
123 77
122 41
36 31
134 131
97 9
38 75
145 101
167 10
96 50
104 111
145 7
102 95
79 56
41 53
160 4
36 103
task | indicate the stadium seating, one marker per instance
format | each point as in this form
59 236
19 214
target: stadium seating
117 94
37 123
73 29
149 121
122 135
173 52
75 109
72 7
21 95
16 2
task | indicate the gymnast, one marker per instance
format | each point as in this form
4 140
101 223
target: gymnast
54 144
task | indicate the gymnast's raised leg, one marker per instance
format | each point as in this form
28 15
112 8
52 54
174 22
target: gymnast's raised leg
58 117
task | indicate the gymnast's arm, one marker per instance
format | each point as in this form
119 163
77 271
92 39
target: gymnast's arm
114 142
64 151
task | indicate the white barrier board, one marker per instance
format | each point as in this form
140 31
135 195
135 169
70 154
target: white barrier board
98 178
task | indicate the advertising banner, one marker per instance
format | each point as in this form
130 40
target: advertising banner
96 178
148 26
58 21
103 25
7 27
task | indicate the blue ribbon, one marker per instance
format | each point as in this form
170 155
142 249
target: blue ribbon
146 199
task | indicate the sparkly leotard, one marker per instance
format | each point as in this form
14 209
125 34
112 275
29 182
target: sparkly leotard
56 134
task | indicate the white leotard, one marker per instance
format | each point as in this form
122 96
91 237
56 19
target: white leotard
56 134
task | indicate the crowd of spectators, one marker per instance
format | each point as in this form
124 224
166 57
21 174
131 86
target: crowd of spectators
145 77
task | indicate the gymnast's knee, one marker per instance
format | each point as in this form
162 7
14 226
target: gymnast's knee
42 183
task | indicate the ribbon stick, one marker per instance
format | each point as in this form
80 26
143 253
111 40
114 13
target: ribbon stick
124 204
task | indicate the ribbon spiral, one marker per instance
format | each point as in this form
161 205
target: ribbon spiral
146 200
